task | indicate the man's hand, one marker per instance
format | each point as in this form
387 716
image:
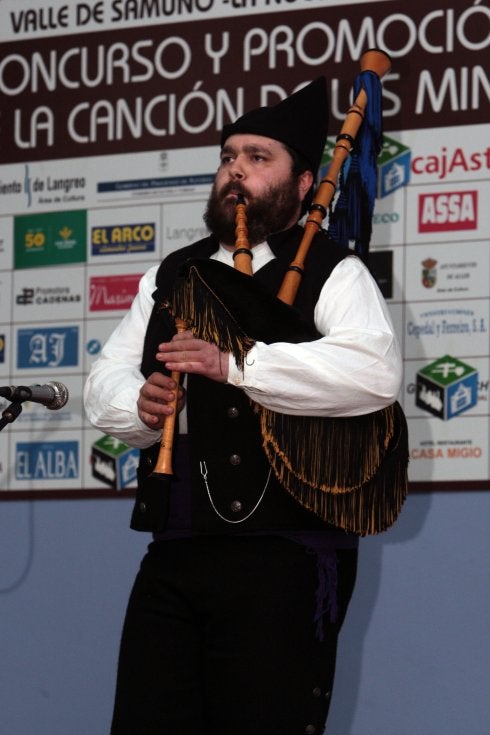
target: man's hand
186 354
156 394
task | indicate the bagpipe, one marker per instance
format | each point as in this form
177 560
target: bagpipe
351 472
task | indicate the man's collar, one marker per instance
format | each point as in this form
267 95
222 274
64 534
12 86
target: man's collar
276 241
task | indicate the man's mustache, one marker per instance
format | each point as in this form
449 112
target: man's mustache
236 189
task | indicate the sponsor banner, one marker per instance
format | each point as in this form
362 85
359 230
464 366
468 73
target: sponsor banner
123 234
446 403
455 327
45 461
108 463
447 271
50 349
112 293
450 213
53 238
172 185
182 225
446 387
128 238
448 452
38 295
113 463
101 182
448 156
112 288
32 186
175 87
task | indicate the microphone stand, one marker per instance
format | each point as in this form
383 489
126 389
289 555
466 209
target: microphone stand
11 413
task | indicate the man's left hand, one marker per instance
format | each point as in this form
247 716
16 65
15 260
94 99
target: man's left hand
186 354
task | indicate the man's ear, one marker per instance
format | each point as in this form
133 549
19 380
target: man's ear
305 180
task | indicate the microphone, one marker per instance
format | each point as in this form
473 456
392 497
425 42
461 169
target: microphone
53 395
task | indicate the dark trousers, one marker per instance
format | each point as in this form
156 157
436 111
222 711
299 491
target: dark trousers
219 639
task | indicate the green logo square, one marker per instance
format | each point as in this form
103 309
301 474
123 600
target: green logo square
53 238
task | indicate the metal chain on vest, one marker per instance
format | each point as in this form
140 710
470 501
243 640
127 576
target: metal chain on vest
204 473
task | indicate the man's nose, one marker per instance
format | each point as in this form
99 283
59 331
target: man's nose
237 171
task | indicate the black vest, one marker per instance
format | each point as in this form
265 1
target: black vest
225 440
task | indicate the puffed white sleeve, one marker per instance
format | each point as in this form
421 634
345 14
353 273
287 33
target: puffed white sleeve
354 368
112 387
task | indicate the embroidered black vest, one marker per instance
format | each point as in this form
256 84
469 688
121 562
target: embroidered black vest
225 441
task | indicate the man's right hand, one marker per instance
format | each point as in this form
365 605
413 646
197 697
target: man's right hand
156 394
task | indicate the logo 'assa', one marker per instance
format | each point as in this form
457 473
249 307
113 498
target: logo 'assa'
448 211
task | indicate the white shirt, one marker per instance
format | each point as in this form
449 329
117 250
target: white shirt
355 367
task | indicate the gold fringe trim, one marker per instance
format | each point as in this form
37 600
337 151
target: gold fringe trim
208 317
341 454
351 472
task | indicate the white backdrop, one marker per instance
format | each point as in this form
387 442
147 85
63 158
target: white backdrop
111 115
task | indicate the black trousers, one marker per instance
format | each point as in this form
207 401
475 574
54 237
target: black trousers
219 639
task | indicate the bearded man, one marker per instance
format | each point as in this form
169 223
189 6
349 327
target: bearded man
232 624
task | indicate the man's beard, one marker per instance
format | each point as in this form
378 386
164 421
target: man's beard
273 212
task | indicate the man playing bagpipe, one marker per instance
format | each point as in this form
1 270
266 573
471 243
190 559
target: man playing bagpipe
290 445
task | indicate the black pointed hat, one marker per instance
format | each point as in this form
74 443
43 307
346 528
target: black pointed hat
299 121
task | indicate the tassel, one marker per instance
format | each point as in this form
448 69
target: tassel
352 215
208 317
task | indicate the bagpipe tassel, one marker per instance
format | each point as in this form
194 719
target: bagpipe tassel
207 315
351 218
